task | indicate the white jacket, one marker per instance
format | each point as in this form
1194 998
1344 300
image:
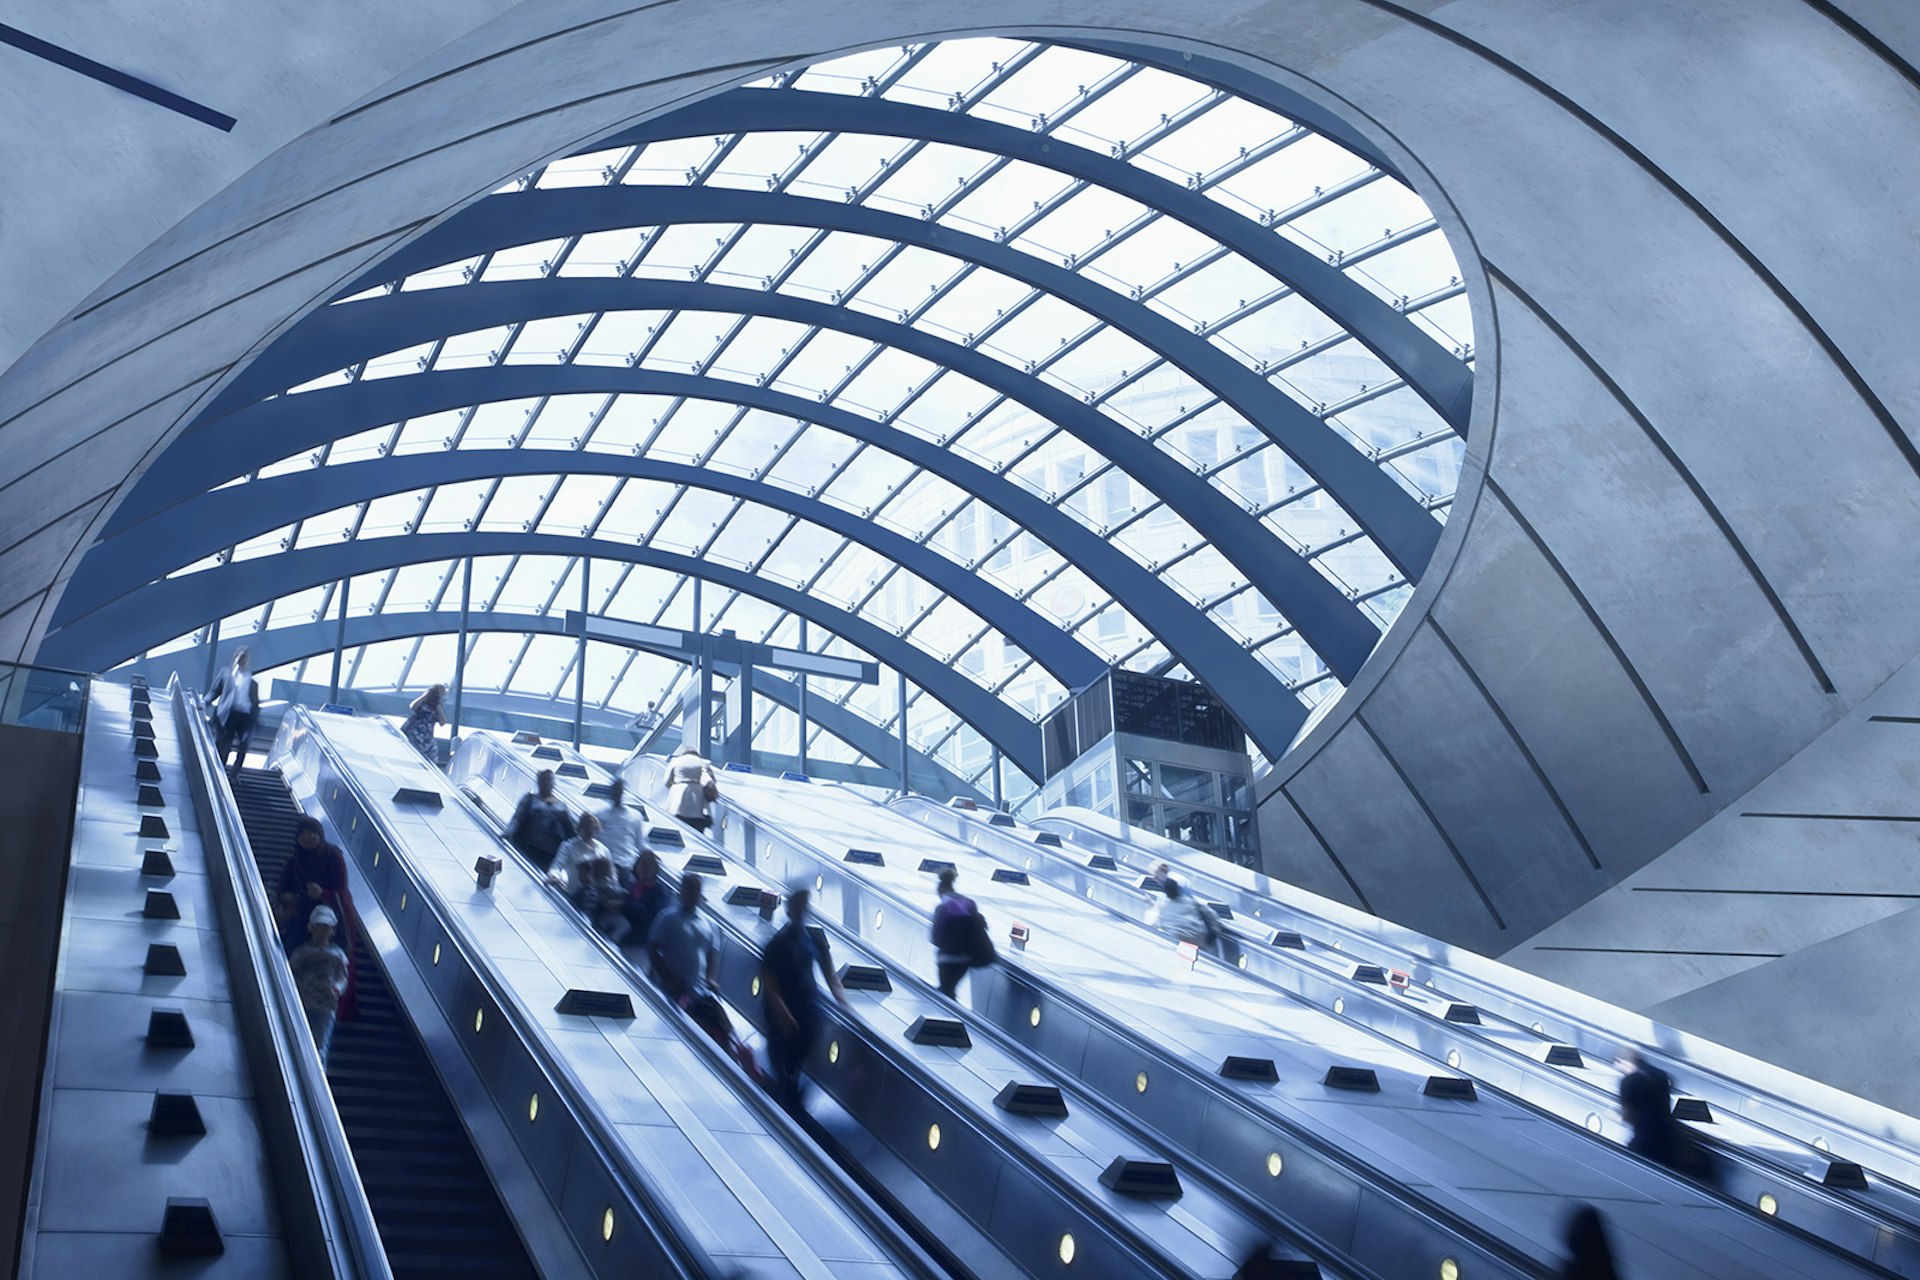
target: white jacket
1185 917
685 776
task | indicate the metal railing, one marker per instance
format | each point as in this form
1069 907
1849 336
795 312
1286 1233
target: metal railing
43 697
329 1223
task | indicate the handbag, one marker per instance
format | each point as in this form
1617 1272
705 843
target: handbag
709 790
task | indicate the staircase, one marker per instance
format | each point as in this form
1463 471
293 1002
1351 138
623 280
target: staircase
436 1208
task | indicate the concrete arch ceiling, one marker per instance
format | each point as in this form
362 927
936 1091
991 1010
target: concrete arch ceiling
1688 561
1173 322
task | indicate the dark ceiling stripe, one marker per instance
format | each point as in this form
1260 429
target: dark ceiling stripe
1327 849
1439 829
1855 28
1680 469
1526 752
1606 635
1909 451
114 78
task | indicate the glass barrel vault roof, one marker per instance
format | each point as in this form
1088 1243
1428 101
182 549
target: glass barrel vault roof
751 350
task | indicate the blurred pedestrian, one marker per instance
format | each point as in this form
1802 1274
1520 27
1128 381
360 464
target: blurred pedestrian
790 993
1185 917
569 861
960 937
621 830
1646 1104
541 823
1589 1254
646 895
313 876
320 976
423 716
691 789
235 703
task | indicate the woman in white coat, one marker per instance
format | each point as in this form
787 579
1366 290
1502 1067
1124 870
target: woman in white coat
689 777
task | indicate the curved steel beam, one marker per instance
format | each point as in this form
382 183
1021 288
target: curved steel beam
1402 528
1250 85
1440 379
219 450
346 333
280 646
187 533
162 610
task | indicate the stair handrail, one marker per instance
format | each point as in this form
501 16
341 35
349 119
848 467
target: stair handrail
329 1221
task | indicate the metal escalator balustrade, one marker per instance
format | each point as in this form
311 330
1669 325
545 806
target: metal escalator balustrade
166 1094
1493 1052
1493 1163
1808 1124
612 1109
1026 1180
438 1211
1372 1221
304 1128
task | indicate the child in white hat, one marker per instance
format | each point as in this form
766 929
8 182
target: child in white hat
320 976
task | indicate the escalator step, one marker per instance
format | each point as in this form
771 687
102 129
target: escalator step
438 1212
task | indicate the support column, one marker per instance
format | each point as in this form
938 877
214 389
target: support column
743 734
999 799
339 643
213 654
580 654
460 650
703 680
802 702
904 749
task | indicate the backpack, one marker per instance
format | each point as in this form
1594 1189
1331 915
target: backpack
978 941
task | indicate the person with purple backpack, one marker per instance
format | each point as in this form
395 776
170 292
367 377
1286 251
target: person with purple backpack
960 937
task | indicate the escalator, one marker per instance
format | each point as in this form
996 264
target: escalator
436 1208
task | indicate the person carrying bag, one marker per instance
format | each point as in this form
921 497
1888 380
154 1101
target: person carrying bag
961 939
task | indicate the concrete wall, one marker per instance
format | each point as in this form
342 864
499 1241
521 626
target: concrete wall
42 768
1687 228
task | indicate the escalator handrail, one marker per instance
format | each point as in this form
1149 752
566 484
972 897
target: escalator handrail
1732 1073
776 1120
871 1040
256 964
1850 1209
1381 1184
668 1227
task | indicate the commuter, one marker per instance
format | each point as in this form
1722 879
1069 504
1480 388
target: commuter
961 940
568 869
646 896
314 876
541 823
423 716
1157 877
791 995
685 964
601 899
621 831
1646 1104
1589 1255
320 976
691 789
235 703
1185 917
